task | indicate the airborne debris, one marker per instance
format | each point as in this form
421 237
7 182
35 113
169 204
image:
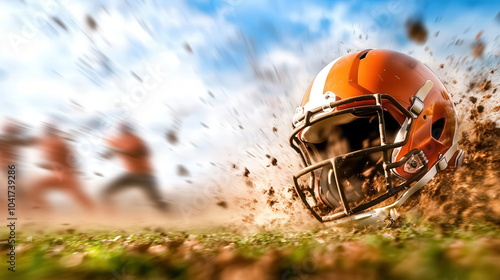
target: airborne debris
274 161
416 31
271 202
136 76
182 171
60 23
188 48
270 191
222 204
91 22
246 172
470 194
172 137
486 85
478 48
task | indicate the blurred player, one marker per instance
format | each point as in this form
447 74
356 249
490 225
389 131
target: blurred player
11 139
63 172
135 157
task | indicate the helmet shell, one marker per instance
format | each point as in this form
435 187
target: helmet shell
389 72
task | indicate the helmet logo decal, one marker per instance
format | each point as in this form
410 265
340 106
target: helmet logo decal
415 163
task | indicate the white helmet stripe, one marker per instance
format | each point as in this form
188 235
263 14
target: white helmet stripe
318 87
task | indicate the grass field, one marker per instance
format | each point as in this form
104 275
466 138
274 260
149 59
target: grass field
471 251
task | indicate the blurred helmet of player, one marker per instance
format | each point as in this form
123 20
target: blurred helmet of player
373 128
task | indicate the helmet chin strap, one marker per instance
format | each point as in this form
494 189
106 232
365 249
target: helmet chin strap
415 109
419 97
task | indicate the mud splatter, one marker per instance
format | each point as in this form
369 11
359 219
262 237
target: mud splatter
91 22
222 204
471 192
478 48
172 137
188 48
246 172
182 171
59 22
416 31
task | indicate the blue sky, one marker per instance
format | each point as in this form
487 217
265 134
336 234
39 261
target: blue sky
249 64
273 24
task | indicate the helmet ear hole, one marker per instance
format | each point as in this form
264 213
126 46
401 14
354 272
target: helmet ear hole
363 55
437 128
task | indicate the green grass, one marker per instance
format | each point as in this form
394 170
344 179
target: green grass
408 252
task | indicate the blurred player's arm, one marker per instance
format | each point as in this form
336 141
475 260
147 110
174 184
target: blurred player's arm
131 149
114 148
19 140
127 152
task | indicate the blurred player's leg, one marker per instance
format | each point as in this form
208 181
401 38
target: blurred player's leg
145 182
152 191
40 188
120 183
75 190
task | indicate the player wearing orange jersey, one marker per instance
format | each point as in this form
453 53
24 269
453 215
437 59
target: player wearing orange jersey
135 156
63 176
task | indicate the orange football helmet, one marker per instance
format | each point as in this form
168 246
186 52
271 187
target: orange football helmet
373 128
